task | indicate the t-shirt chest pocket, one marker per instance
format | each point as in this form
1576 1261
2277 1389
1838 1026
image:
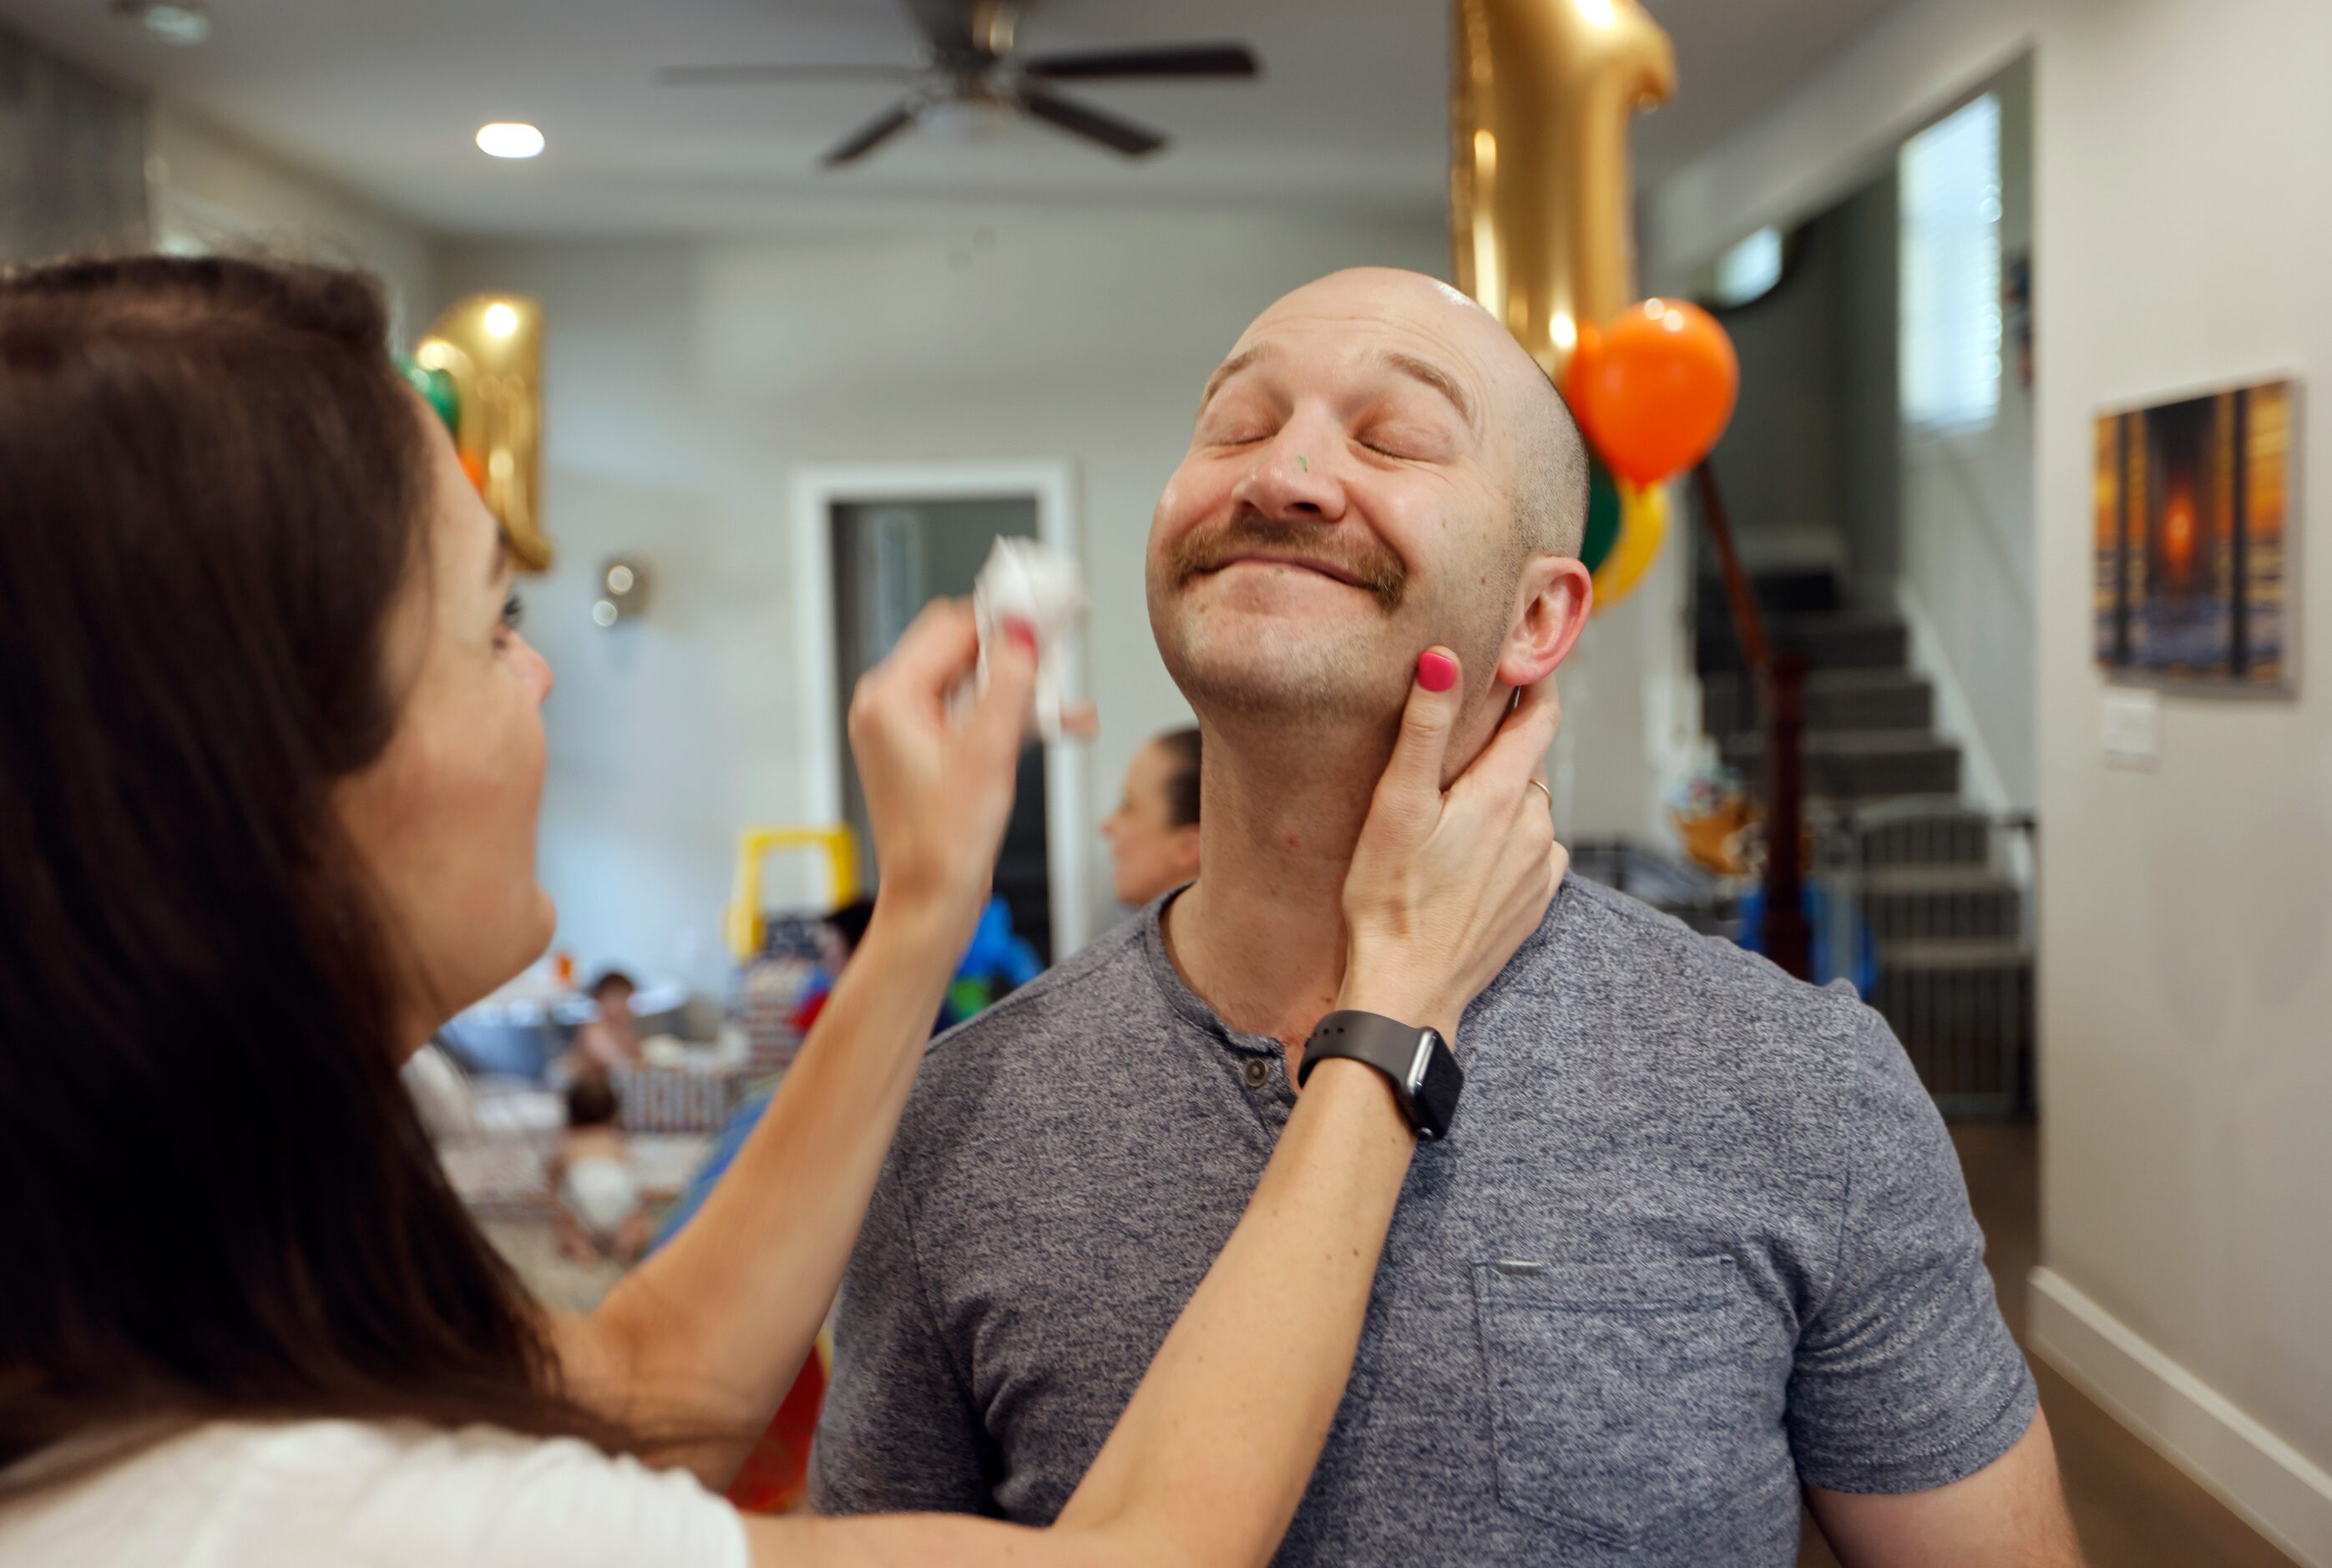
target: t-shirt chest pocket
1626 1399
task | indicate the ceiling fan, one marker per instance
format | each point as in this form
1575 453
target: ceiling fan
969 62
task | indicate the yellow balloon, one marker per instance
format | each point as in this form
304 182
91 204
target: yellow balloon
1538 160
491 346
1643 527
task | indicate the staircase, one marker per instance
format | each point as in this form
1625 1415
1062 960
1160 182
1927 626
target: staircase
1929 873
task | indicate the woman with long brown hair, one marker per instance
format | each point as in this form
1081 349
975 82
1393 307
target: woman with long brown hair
270 766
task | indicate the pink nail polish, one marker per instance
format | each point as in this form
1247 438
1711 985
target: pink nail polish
1436 671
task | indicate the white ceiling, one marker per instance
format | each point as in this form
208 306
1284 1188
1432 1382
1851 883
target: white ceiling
383 96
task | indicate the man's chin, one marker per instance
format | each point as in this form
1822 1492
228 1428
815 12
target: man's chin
1293 667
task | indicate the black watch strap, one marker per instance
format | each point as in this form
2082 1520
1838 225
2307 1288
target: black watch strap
1425 1075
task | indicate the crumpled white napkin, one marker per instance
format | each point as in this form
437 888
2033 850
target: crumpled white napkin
1024 581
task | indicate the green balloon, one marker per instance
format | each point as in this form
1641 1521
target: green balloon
1602 515
438 388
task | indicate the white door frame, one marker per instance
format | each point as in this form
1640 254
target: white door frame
816 489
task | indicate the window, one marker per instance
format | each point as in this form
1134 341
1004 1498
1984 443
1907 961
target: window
1950 294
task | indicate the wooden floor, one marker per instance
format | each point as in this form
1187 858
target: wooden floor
2134 1509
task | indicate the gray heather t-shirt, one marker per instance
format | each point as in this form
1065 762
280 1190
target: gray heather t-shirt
1697 1237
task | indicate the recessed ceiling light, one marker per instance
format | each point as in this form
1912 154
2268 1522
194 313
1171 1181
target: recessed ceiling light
180 21
506 138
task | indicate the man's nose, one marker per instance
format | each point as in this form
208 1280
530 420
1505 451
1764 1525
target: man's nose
1299 474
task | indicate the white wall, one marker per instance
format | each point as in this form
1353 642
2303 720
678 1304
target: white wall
2186 915
211 189
684 382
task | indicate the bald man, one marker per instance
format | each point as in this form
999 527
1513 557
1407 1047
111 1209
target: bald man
1696 1245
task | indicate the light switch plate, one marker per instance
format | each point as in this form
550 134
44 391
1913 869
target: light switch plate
2132 727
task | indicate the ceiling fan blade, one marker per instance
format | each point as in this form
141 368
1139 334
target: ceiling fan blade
1122 135
869 137
1166 60
719 75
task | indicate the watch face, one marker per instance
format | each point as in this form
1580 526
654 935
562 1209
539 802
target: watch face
1436 1098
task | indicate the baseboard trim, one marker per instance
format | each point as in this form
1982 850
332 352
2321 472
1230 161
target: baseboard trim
2276 1489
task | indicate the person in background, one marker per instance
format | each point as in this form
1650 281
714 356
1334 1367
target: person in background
1154 831
838 936
611 1040
599 1210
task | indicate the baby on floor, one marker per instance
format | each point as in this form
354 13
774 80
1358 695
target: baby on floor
600 1214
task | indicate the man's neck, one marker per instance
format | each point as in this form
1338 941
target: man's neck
1261 935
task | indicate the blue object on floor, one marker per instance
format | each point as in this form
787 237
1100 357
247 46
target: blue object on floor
997 953
1822 908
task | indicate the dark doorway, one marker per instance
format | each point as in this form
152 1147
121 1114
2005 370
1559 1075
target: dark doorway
890 558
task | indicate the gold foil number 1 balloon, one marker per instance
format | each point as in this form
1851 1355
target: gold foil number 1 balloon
1538 177
490 347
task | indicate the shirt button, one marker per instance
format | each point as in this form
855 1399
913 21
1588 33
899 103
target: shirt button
1258 1073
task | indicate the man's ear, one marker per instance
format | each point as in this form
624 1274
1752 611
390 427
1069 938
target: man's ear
1556 594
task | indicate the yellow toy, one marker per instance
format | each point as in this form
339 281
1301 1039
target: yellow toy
742 923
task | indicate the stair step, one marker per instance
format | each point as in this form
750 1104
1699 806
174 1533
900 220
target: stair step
1847 638
1920 904
1846 699
1928 838
1897 880
1938 955
1850 743
1835 640
1781 590
1860 764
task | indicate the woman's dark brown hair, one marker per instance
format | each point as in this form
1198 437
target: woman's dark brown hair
215 1196
1182 788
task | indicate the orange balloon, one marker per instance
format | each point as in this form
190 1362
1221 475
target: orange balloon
1586 352
1657 389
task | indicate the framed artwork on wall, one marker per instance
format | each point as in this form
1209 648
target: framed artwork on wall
2197 540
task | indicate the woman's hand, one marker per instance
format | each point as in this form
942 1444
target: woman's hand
1446 884
939 787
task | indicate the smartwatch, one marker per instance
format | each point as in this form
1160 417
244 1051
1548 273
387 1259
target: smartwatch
1426 1078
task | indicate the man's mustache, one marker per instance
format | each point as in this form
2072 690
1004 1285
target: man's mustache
1350 551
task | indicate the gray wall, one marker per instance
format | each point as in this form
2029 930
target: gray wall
1810 463
1782 459
72 158
1865 227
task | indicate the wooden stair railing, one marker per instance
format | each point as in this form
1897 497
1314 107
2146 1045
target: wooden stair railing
1787 936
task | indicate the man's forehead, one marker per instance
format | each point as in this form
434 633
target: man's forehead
1376 312
1423 306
